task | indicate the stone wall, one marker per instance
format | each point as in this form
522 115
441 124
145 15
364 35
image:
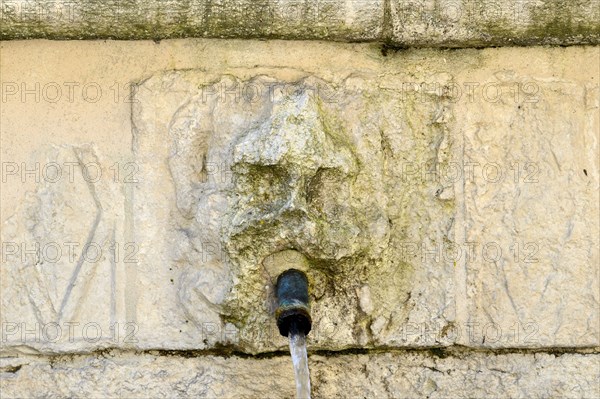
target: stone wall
398 23
392 375
443 203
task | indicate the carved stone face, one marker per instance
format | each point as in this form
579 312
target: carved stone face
294 183
296 178
294 175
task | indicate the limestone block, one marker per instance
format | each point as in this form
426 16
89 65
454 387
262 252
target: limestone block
64 254
260 156
288 19
240 167
401 23
531 210
467 23
373 375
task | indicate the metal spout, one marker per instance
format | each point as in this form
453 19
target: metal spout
293 310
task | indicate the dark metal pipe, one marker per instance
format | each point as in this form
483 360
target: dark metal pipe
293 310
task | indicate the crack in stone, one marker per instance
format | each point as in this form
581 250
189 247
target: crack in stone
455 351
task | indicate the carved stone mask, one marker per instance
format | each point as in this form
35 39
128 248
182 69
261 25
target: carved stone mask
294 182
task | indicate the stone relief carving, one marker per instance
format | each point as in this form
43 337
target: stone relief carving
300 170
230 183
290 177
60 250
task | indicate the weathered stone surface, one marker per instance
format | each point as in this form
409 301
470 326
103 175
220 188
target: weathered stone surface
419 23
407 375
528 205
63 254
326 19
248 166
401 121
471 23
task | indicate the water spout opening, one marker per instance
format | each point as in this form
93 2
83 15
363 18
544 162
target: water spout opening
293 321
293 311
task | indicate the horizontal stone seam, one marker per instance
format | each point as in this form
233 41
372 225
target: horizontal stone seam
456 351
384 41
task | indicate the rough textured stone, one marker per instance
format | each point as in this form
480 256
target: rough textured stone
270 162
61 254
350 20
406 375
528 208
420 23
398 121
471 23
